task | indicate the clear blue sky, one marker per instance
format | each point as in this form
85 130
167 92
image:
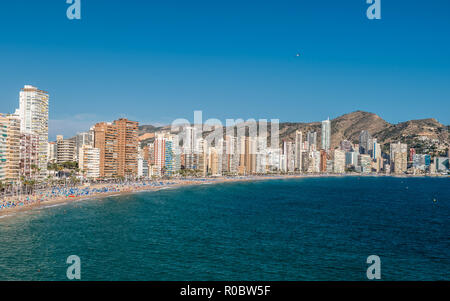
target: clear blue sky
155 61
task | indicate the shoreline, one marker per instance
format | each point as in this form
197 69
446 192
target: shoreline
129 190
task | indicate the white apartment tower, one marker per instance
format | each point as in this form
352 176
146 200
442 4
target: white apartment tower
326 134
33 113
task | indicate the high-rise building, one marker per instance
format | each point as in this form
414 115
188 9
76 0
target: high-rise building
89 161
351 159
3 147
52 152
326 134
127 147
33 113
13 149
399 157
311 138
167 154
29 156
105 139
248 149
85 138
213 162
375 151
65 150
118 144
339 161
365 163
364 143
9 148
323 160
298 150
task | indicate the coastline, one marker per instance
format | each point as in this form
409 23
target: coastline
128 190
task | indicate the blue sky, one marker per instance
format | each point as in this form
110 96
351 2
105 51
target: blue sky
155 61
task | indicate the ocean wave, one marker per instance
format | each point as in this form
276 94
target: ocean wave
5 216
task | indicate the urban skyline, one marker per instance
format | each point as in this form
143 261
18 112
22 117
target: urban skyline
115 150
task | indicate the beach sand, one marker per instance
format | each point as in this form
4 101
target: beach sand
177 183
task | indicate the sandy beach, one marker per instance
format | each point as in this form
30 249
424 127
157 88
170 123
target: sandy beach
136 187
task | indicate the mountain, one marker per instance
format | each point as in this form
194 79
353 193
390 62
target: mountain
426 135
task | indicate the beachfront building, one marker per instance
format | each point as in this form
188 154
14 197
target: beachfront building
9 148
375 151
311 138
167 154
3 147
351 159
189 143
214 166
105 139
326 135
323 160
13 149
89 161
65 150
143 165
80 139
29 156
127 147
365 163
52 152
365 142
33 113
298 152
118 144
247 155
339 161
399 157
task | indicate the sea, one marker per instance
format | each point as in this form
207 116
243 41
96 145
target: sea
312 229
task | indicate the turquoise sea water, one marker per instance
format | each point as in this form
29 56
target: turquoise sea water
300 229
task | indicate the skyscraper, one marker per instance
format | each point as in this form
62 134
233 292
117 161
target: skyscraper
89 161
326 134
298 150
364 142
399 157
339 161
105 139
118 144
127 147
33 113
311 138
